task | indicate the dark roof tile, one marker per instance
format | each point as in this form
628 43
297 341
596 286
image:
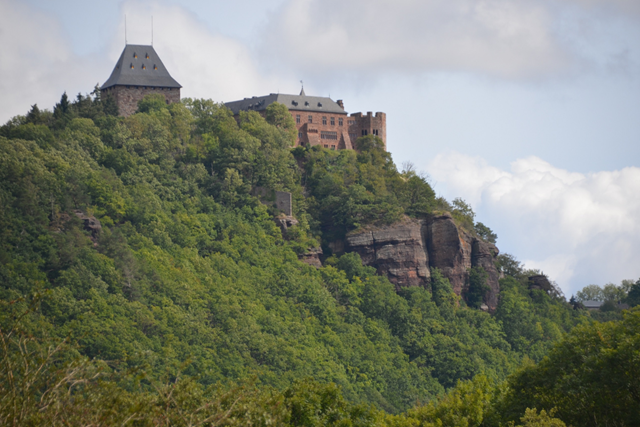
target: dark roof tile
140 65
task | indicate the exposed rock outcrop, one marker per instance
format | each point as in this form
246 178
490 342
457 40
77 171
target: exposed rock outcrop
285 222
91 224
312 257
449 250
406 251
397 251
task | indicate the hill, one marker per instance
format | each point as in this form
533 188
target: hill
138 240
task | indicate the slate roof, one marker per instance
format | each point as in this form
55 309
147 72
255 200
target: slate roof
300 102
592 304
140 65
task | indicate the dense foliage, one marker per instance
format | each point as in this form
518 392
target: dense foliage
188 287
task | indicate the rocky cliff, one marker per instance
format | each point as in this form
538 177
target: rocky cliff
406 251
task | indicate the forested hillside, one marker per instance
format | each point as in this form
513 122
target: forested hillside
132 250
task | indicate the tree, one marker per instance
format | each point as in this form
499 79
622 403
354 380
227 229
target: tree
485 233
478 287
590 293
633 298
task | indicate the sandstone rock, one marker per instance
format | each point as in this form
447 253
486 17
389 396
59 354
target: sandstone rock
285 222
312 257
397 251
449 250
483 254
406 251
91 224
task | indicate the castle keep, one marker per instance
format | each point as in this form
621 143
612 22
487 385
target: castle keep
139 72
320 120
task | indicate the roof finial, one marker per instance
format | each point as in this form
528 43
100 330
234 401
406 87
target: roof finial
302 91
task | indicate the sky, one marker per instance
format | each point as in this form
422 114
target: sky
527 109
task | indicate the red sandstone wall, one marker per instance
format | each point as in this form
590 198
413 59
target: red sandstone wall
127 97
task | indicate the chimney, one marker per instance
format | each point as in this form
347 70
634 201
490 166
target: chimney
340 103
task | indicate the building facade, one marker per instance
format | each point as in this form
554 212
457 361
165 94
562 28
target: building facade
139 72
320 120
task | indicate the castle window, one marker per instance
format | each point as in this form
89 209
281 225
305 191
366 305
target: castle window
310 119
352 122
297 118
324 120
299 135
333 121
340 121
352 135
333 147
328 135
326 145
375 132
364 132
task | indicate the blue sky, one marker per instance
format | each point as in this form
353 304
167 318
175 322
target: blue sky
527 109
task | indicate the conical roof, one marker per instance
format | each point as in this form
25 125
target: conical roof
140 65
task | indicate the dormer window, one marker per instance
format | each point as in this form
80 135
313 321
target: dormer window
319 104
146 55
131 66
155 67
144 67
135 55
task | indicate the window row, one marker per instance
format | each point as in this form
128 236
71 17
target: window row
324 120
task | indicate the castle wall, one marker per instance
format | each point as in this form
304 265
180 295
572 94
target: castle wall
369 124
127 97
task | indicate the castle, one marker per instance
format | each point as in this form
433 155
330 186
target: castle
319 120
139 72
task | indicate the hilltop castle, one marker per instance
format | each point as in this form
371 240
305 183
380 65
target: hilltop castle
139 72
320 120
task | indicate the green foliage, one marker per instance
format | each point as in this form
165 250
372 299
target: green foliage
633 298
591 377
189 280
478 287
350 190
485 233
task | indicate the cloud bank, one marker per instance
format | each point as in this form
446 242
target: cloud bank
578 228
504 39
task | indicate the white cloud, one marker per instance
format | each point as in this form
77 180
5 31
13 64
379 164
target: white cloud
504 38
37 64
578 228
205 63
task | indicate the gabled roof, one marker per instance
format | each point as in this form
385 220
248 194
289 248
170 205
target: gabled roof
140 65
300 102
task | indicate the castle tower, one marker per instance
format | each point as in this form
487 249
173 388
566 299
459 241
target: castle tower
139 72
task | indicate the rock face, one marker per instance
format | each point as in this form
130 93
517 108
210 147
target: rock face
449 250
285 222
397 251
312 257
91 224
406 251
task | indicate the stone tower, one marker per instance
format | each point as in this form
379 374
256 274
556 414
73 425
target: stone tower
139 72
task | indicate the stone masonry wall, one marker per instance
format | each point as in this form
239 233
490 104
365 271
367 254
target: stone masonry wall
127 97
